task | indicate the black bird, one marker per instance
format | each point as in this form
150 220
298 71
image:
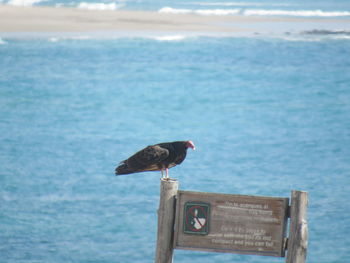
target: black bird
158 157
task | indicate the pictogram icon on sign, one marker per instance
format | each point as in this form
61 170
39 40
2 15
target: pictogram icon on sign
196 218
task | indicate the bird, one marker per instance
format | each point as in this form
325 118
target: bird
158 157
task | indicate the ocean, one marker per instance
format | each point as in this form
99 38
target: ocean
324 8
267 115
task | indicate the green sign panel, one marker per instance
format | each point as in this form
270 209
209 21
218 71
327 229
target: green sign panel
196 218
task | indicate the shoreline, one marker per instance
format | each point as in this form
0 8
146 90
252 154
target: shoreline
42 20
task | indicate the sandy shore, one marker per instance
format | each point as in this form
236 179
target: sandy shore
52 19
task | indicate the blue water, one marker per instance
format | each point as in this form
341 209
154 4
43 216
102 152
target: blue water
267 116
325 5
339 8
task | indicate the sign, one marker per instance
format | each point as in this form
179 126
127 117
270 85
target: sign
231 223
196 218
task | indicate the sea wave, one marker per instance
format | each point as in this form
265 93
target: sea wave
342 37
99 6
170 38
60 38
303 38
256 12
2 42
243 4
219 12
327 32
24 2
300 13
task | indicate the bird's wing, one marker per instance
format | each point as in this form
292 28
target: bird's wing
151 155
145 160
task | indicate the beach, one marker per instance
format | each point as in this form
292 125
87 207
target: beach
14 19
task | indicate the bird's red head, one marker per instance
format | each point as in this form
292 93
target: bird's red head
190 144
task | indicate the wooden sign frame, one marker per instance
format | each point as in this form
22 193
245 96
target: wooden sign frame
242 224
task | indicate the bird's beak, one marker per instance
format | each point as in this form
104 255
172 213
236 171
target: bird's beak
190 144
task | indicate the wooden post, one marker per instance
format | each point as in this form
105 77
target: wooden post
298 231
166 216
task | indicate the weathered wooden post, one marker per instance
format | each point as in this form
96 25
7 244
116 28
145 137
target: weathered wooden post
166 215
298 231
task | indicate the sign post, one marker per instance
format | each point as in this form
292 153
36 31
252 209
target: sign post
242 224
166 215
298 230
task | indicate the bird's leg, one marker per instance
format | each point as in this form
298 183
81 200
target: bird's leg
167 173
162 173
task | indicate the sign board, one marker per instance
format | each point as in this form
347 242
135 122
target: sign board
240 224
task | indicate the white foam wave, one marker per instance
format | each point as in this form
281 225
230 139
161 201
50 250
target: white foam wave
2 42
300 13
297 38
99 6
342 37
170 38
79 37
24 2
256 12
327 32
54 39
243 4
170 10
301 39
219 12
72 37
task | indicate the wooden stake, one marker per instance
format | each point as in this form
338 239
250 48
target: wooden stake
166 216
298 231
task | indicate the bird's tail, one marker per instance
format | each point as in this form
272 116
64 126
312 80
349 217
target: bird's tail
123 168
